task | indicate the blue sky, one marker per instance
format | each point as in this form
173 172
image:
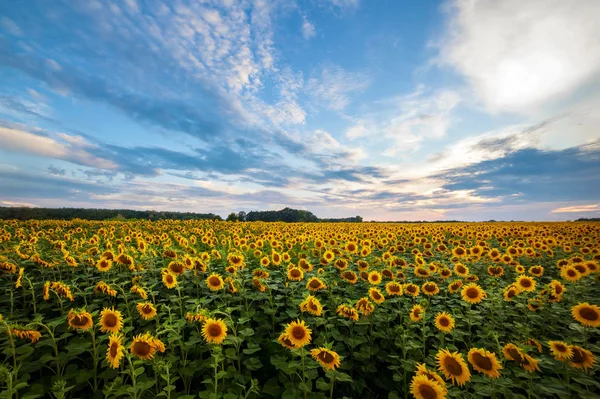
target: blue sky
393 110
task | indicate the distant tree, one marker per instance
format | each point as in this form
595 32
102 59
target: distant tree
232 217
241 216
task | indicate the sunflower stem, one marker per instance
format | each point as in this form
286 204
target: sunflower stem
331 390
303 370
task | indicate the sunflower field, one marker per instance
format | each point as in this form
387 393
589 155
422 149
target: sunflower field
208 309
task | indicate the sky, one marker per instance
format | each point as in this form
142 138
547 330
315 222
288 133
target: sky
391 110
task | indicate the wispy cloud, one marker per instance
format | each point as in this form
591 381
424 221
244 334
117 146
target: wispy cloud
308 29
578 209
333 86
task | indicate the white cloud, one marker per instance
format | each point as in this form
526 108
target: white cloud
578 209
344 4
357 131
332 86
308 29
522 55
72 151
10 26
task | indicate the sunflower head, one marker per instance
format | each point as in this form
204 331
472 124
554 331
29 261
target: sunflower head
215 282
298 333
586 314
582 358
444 322
115 351
453 366
111 320
80 320
560 350
327 358
484 362
214 331
376 295
417 312
424 388
472 293
146 310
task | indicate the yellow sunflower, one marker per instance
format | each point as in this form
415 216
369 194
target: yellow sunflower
298 333
430 288
312 305
374 277
560 350
485 362
444 322
295 274
453 366
214 331
530 364
215 282
169 280
461 270
376 295
393 288
525 283
417 312
431 375
472 293
423 388
412 289
146 310
315 284
111 320
347 312
364 306
104 265
586 314
569 273
326 358
115 351
513 352
454 286
285 341
143 347
582 358
80 320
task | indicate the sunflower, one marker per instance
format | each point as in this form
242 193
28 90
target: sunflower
525 283
146 310
417 312
412 289
459 252
485 362
80 320
569 273
445 273
536 271
326 358
115 351
19 278
143 346
430 288
111 320
347 312
461 270
285 341
510 292
431 375
104 265
393 288
530 364
295 274
364 306
424 388
495 271
298 333
582 358
374 277
31 335
513 352
312 305
169 279
214 331
140 291
454 286
265 262
215 282
376 295
349 276
560 350
472 293
257 283
586 314
315 284
46 291
444 322
453 366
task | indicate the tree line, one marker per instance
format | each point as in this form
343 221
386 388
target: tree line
283 215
